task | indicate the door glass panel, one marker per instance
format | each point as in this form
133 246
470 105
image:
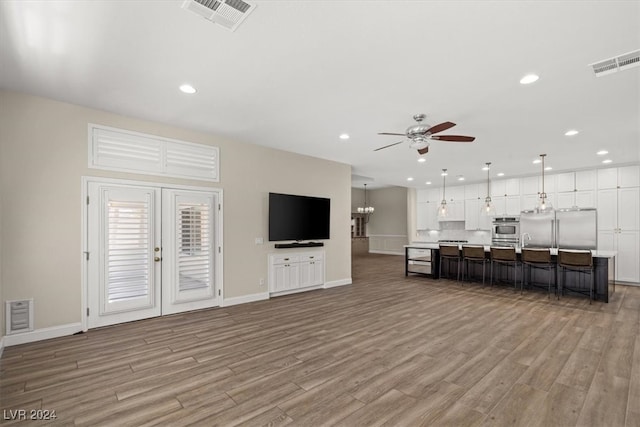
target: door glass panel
128 256
194 245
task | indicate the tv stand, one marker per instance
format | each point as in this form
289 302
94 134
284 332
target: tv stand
298 245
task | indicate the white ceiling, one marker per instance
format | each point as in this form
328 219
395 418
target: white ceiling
296 74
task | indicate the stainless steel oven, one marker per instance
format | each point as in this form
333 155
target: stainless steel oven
505 231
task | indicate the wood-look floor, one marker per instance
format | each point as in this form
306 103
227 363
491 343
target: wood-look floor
387 350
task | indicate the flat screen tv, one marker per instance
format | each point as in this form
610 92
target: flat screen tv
298 218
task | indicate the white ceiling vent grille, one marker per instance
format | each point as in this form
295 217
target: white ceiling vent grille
619 63
228 13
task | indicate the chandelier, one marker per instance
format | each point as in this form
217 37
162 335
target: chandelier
367 210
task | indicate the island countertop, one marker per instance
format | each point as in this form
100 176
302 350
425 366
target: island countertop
554 251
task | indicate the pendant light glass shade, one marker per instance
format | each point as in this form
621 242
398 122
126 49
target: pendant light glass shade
443 210
488 208
544 204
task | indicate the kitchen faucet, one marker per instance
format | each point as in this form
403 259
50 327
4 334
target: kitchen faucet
522 239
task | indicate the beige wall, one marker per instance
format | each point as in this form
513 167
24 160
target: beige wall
390 216
387 227
43 157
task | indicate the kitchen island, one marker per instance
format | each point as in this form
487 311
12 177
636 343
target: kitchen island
424 258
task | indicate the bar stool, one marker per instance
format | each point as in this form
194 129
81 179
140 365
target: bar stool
580 262
450 253
537 259
473 254
505 256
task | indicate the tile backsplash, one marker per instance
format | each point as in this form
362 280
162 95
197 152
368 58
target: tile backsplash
454 230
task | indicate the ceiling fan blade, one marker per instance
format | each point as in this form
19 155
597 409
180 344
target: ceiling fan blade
454 138
388 133
387 146
440 127
424 150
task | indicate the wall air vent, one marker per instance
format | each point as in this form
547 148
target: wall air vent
619 63
228 13
19 316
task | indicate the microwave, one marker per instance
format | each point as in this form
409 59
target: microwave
506 228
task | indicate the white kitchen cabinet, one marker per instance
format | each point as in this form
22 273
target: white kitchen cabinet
507 205
627 245
455 193
582 199
566 182
576 189
585 180
619 227
623 177
295 271
473 217
426 218
531 185
455 211
473 191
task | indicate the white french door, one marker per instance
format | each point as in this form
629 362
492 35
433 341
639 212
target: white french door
188 253
151 252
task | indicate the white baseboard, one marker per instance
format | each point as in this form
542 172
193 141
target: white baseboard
295 291
42 334
336 283
245 299
375 251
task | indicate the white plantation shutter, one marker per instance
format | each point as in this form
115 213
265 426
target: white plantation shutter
128 253
189 250
126 151
194 246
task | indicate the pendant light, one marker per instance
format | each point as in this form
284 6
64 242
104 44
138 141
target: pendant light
366 210
443 210
488 208
543 205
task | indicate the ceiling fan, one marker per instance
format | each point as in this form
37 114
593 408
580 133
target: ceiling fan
421 134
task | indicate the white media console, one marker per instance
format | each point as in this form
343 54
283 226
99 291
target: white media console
295 271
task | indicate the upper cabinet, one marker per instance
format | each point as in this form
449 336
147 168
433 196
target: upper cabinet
623 177
505 187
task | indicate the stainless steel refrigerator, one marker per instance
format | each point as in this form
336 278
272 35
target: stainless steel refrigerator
574 228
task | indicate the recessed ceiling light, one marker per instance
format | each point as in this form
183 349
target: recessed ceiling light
548 168
607 161
186 88
528 79
422 160
571 132
461 178
444 174
536 161
486 168
428 182
500 173
344 136
410 179
602 152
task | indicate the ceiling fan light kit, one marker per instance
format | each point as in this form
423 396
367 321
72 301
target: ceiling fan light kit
420 134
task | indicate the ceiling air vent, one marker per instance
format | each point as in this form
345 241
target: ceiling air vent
619 63
228 13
